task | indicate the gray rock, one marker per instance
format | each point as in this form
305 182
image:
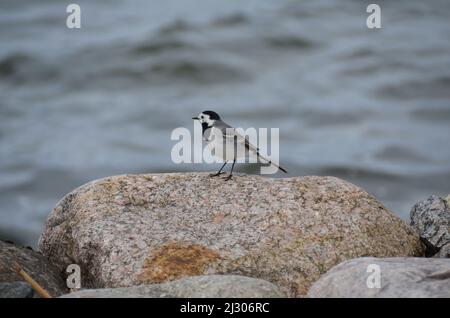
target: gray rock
209 286
444 251
34 264
399 277
145 229
431 219
16 290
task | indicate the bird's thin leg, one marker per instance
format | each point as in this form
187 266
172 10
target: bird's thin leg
219 172
231 172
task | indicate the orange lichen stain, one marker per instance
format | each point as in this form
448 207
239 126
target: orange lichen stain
175 260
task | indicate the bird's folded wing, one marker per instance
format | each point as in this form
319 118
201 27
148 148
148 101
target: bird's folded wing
230 134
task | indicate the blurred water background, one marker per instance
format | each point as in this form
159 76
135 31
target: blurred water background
369 106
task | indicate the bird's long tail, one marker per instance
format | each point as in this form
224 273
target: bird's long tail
270 162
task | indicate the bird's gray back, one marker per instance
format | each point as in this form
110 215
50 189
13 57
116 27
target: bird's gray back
223 126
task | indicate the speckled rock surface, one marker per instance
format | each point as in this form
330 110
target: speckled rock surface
133 229
444 251
208 286
431 219
34 264
399 278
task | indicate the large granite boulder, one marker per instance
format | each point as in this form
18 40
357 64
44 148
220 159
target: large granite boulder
144 229
34 264
431 219
208 286
398 278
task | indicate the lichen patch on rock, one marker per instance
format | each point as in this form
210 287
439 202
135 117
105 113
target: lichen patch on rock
176 260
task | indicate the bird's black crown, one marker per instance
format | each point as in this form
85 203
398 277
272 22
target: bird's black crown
212 115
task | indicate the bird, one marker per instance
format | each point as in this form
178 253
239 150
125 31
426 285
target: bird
226 136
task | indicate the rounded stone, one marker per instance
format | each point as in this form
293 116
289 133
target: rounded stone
134 229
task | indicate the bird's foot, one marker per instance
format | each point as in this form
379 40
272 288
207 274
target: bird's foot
216 174
229 177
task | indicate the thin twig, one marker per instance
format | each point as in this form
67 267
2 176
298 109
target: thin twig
41 291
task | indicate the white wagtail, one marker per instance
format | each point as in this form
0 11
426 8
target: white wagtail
223 136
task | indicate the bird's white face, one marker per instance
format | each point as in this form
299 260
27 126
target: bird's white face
205 118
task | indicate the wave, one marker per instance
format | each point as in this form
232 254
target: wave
161 46
22 68
176 27
431 114
231 20
400 153
11 64
180 26
288 42
435 88
196 70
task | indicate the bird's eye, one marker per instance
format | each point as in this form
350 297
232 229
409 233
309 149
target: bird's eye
202 116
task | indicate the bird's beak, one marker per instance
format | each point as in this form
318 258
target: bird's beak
195 118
